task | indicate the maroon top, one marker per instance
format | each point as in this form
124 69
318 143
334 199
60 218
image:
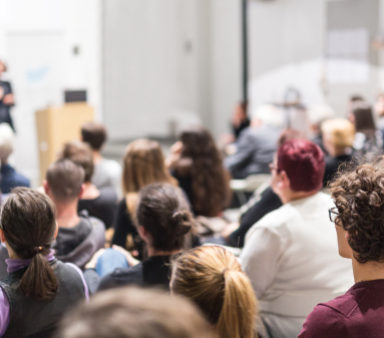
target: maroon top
358 313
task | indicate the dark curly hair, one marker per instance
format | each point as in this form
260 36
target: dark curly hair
359 198
201 161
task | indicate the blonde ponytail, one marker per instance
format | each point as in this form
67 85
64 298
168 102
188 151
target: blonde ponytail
212 277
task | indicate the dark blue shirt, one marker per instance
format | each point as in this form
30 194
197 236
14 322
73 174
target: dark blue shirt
10 179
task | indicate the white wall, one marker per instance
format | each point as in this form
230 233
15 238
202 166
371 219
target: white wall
37 39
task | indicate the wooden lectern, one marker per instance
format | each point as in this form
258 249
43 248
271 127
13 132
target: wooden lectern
57 125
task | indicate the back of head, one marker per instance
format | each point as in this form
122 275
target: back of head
339 133
202 164
143 164
7 139
94 134
163 211
269 115
363 117
198 142
211 276
65 179
28 224
303 162
81 154
135 313
359 198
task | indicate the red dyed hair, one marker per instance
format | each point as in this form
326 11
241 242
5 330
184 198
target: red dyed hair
303 162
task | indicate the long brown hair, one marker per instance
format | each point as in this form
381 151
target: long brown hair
212 277
144 164
28 224
201 161
164 213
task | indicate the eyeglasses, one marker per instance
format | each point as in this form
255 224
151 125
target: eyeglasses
333 214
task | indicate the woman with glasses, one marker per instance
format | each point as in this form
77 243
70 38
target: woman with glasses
359 221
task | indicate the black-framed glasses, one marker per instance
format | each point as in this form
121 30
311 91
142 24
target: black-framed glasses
333 214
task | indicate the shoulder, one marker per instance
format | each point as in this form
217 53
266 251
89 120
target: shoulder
121 277
325 321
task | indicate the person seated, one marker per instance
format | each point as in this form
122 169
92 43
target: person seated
39 288
359 221
135 313
143 164
338 135
10 178
256 144
197 165
281 251
164 220
211 276
99 203
7 100
106 172
79 235
368 141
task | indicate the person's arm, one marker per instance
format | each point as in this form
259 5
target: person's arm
268 202
322 322
8 98
260 256
4 312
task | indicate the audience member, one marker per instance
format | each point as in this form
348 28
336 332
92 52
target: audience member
212 277
359 220
197 165
79 236
259 207
39 289
338 135
107 173
281 252
100 203
164 220
135 313
240 120
6 98
257 143
10 178
143 164
368 140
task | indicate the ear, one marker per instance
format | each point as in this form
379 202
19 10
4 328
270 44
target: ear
143 233
283 181
56 231
81 191
46 187
2 237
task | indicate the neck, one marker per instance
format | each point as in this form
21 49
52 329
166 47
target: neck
153 252
96 156
90 191
289 196
66 214
367 271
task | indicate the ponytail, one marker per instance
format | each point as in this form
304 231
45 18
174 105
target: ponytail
39 281
212 277
237 316
28 224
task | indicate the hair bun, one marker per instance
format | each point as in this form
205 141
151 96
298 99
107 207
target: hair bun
181 220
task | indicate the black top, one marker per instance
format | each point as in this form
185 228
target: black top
332 165
5 109
102 207
154 271
268 202
123 227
